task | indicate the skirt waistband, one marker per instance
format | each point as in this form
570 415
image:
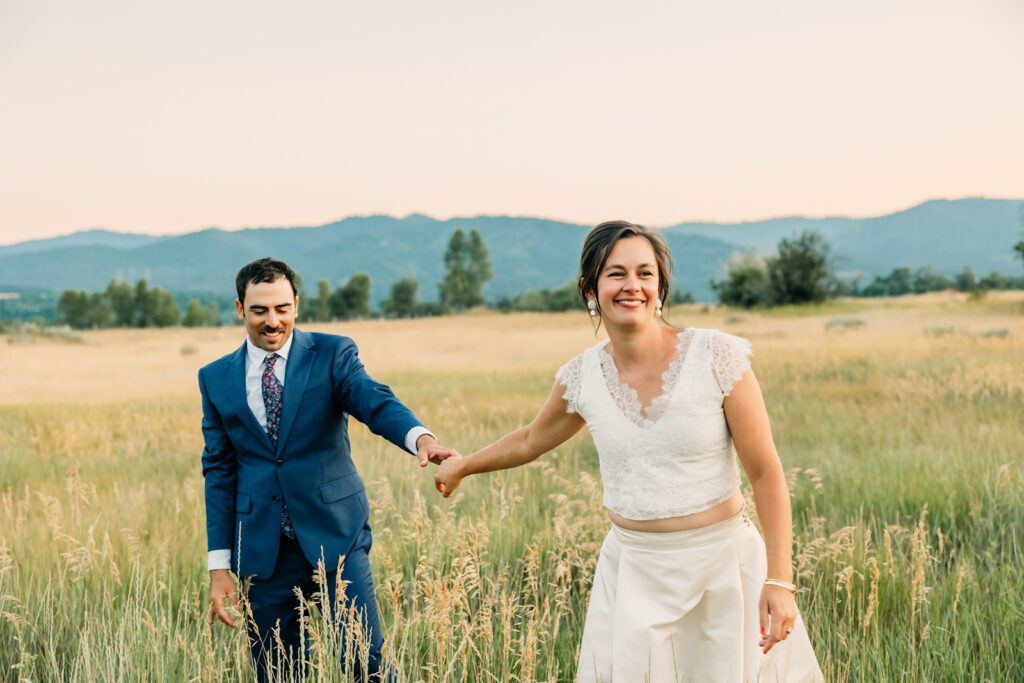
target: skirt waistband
680 540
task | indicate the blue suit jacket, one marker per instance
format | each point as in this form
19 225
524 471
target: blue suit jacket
311 468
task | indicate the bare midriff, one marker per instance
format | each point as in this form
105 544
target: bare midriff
717 513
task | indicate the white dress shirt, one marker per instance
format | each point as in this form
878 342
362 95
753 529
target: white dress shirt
255 357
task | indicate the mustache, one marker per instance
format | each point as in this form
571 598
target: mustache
271 330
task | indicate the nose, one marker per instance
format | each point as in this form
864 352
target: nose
631 283
271 319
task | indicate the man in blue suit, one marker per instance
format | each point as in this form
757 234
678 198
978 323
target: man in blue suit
282 492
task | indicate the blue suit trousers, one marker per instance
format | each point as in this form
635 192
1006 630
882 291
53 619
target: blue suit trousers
275 613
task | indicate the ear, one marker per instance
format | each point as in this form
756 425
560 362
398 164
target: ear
240 309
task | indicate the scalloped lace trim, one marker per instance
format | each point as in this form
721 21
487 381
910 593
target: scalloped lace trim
730 358
571 377
626 397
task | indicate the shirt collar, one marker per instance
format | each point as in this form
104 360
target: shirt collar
257 355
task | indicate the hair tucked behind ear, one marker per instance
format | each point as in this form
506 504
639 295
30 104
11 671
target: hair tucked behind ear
598 245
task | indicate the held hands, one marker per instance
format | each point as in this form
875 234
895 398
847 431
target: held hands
448 476
429 450
447 460
778 613
222 586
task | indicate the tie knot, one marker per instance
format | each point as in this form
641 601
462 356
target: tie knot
271 359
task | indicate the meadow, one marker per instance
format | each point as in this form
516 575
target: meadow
899 423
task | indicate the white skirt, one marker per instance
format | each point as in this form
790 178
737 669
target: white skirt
682 606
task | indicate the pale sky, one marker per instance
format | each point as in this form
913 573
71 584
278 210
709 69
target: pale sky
170 117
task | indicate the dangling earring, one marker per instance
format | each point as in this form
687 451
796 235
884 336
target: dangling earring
592 307
657 311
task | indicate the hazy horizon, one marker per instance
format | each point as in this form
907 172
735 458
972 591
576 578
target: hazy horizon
510 215
169 119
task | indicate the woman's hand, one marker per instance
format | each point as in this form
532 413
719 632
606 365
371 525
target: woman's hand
448 475
778 614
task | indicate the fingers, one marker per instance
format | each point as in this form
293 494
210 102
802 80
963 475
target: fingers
441 453
223 615
781 617
762 608
221 586
436 454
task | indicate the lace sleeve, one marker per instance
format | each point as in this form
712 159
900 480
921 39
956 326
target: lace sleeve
571 377
730 358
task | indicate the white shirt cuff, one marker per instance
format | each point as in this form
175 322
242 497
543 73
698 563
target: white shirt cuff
414 434
218 559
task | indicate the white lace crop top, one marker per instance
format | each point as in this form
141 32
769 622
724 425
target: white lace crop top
676 457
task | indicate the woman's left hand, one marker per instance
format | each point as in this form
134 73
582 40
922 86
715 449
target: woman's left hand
778 614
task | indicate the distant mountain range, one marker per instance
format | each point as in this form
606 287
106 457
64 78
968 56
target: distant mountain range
526 253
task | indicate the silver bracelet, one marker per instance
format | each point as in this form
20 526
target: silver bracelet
781 584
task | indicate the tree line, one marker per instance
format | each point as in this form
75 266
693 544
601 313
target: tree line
801 270
467 270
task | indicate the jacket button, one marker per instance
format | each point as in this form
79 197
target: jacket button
278 462
275 499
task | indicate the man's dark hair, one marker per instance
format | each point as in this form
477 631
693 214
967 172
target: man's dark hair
266 269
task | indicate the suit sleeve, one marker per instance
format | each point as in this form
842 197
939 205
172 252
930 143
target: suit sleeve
219 473
367 400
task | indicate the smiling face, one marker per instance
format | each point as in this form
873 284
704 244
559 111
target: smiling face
627 286
269 312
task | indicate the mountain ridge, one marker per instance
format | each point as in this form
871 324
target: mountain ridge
526 252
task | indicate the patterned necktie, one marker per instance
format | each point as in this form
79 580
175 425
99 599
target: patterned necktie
272 398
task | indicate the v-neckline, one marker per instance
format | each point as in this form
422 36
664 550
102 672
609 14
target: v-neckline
627 400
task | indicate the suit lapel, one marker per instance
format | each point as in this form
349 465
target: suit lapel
239 398
300 361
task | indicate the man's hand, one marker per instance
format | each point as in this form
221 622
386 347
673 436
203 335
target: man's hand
222 586
429 450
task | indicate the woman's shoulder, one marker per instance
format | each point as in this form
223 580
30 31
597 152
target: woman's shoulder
575 364
716 339
728 356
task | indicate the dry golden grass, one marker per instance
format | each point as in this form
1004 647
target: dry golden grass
899 422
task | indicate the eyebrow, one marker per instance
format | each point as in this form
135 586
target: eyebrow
281 305
618 265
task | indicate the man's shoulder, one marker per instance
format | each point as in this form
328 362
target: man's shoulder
220 364
325 341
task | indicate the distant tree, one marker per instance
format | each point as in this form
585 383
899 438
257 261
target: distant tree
468 268
800 272
75 309
402 302
99 308
965 280
896 283
678 297
321 308
927 280
142 303
122 302
745 284
1019 247
564 298
163 310
352 300
195 315
900 282
212 314
479 266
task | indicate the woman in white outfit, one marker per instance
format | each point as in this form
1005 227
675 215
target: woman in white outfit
685 588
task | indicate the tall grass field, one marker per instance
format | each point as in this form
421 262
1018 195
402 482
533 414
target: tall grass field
900 423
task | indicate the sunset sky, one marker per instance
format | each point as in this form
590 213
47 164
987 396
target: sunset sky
170 117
